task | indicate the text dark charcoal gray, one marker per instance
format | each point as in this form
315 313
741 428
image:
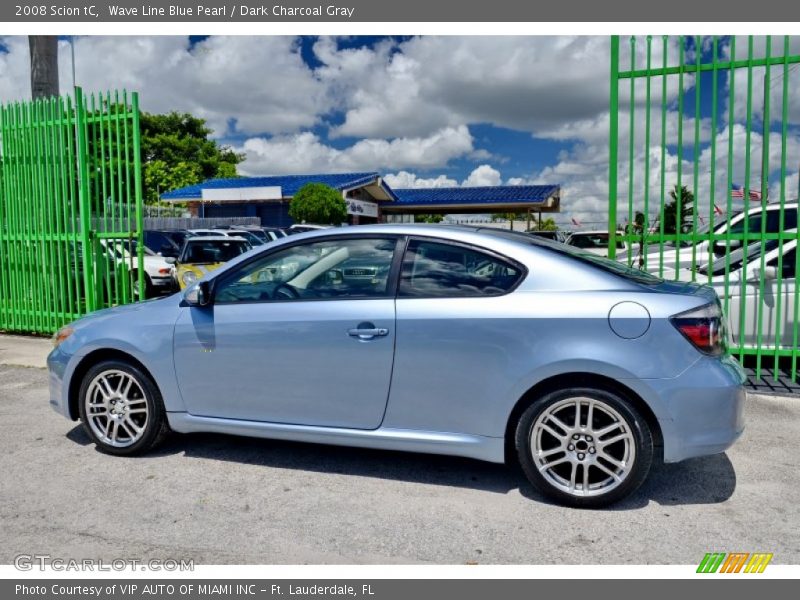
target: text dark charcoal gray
392 11
387 589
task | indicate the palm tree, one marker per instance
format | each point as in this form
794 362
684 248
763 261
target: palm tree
44 65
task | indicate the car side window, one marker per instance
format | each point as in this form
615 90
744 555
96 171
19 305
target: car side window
753 225
788 264
432 269
330 269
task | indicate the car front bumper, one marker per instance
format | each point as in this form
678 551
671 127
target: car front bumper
57 363
701 412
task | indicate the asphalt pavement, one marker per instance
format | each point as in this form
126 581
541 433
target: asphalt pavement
219 499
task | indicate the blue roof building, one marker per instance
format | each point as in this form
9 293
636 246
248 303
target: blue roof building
502 198
369 198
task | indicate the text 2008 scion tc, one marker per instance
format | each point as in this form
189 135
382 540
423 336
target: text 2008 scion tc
449 340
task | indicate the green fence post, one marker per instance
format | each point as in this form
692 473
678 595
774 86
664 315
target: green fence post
84 204
613 148
137 184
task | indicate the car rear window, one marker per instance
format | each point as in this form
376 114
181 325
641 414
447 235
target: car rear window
609 266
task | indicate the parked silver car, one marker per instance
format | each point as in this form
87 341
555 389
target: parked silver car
450 340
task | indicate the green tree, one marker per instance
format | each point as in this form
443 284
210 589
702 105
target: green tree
674 223
318 203
428 218
510 217
177 151
547 225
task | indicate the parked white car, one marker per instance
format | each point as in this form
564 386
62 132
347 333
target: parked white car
754 292
595 242
699 253
158 278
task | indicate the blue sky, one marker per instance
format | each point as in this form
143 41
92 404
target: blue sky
431 111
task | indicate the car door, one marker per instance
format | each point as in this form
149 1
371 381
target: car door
761 313
303 335
454 345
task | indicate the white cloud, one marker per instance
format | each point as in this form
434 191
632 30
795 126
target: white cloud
305 152
261 83
404 179
484 175
430 82
15 77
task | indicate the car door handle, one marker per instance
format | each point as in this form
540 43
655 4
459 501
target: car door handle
367 333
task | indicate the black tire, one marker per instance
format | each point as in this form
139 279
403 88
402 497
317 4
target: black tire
154 426
148 286
637 445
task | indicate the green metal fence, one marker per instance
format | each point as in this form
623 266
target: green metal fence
703 177
70 208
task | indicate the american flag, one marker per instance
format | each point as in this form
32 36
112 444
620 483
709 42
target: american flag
576 222
717 210
737 191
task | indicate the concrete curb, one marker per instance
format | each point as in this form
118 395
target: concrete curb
24 351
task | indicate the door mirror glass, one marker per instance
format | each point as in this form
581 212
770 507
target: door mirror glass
198 295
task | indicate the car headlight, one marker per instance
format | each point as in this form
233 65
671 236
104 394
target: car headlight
189 278
62 335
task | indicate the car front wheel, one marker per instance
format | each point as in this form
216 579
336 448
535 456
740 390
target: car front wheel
121 408
584 447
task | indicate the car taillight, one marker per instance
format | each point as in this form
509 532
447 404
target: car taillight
704 327
164 271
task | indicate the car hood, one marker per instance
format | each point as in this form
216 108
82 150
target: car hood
124 309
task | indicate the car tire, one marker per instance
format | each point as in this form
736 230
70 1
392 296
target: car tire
584 464
121 408
148 286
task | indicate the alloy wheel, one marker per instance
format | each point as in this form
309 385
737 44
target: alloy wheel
116 408
582 446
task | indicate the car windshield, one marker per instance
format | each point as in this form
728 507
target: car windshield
600 262
199 251
597 239
248 235
125 248
260 234
177 236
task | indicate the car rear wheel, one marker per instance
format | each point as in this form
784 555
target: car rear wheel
121 408
584 447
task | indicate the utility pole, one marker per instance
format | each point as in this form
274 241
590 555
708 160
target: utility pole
44 65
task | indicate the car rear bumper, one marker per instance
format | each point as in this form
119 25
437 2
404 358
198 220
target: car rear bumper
701 412
164 284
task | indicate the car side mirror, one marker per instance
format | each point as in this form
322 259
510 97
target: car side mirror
720 247
170 259
198 295
768 273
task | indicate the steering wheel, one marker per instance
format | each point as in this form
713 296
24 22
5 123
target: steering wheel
285 292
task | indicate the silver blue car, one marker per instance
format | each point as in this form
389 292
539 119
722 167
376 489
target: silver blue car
449 340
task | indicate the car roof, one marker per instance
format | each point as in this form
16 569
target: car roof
215 238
